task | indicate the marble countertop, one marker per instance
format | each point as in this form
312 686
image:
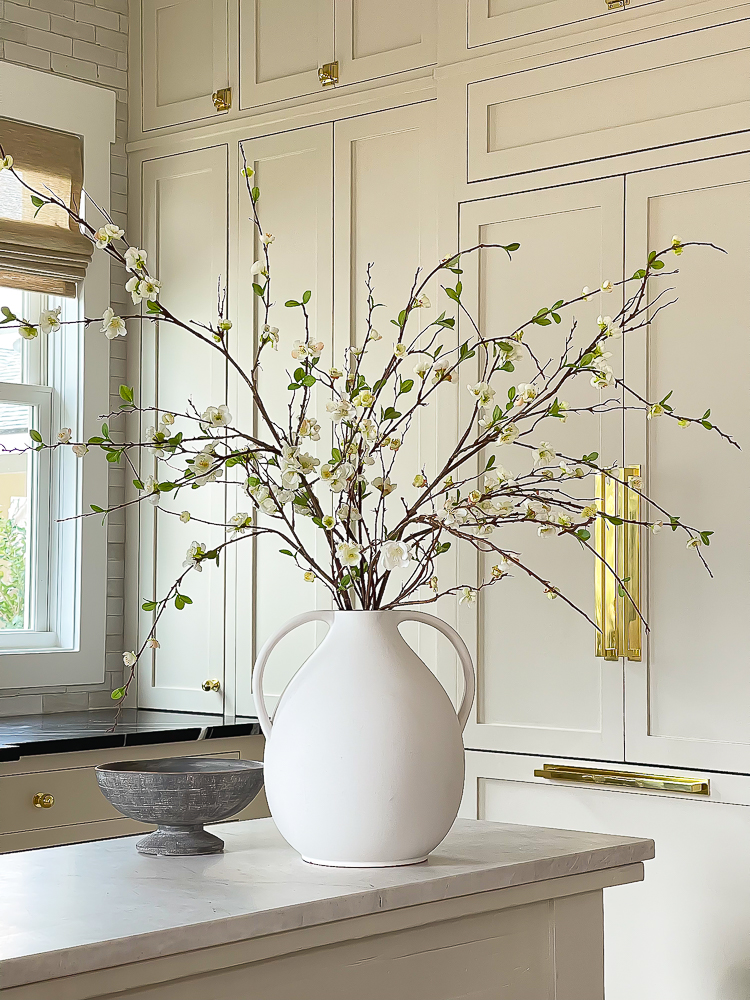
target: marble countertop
63 732
82 907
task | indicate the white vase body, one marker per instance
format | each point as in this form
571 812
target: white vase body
364 760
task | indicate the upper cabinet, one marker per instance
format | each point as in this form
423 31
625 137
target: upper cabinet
282 46
303 47
184 59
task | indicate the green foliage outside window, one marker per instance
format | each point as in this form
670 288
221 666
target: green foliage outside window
12 573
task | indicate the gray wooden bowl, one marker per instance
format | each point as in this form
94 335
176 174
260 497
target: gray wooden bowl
179 795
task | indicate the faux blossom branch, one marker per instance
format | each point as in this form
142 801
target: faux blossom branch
332 456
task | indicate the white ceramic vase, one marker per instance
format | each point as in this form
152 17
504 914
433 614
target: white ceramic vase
364 760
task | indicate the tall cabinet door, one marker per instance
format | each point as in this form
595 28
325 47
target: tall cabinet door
184 233
376 38
282 46
184 54
687 699
293 172
541 688
384 215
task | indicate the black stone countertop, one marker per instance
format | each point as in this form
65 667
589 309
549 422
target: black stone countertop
63 732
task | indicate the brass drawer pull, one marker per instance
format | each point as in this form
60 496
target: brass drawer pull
211 685
43 800
625 779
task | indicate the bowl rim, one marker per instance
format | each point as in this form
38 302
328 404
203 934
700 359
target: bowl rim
229 766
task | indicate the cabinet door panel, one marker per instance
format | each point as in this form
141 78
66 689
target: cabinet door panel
184 233
501 20
293 172
281 47
379 37
687 700
540 686
384 215
185 59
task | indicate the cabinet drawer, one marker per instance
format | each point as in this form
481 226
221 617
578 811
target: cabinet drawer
76 796
603 105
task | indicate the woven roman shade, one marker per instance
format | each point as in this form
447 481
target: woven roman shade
44 251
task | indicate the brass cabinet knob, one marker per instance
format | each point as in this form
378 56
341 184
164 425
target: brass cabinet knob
211 685
43 800
328 74
222 99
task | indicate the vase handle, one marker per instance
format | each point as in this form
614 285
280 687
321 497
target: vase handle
260 663
463 654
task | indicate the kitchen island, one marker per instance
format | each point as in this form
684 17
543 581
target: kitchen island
497 911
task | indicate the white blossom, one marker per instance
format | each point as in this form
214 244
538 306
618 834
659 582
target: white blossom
63 435
106 234
49 320
309 427
129 659
694 543
399 350
270 335
6 162
194 555
467 595
348 514
422 302
483 392
28 332
508 434
384 485
657 410
336 477
656 527
151 488
79 450
112 326
525 393
422 367
258 267
216 416
363 399
185 516
340 409
135 259
349 553
267 239
395 555
606 285
239 522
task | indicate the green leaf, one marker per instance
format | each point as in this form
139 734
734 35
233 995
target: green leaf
617 521
255 193
118 694
640 273
406 385
35 436
126 393
291 303
286 552
186 599
452 294
309 380
152 307
390 414
258 289
583 534
105 431
658 265
299 374
293 385
179 603
166 487
37 202
705 537
97 510
138 483
512 247
306 297
441 548
335 454
490 463
707 424
590 458
149 606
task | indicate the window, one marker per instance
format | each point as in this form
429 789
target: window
53 565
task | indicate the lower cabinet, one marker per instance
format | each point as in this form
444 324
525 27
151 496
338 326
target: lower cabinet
55 799
682 933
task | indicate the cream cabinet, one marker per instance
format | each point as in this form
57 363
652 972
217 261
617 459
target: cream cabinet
283 46
184 59
682 933
74 809
184 232
687 698
540 685
333 200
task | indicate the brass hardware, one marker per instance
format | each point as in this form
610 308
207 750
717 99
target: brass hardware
222 99
43 800
617 4
211 685
328 74
618 547
625 779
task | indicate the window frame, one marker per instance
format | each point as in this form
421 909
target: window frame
72 649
